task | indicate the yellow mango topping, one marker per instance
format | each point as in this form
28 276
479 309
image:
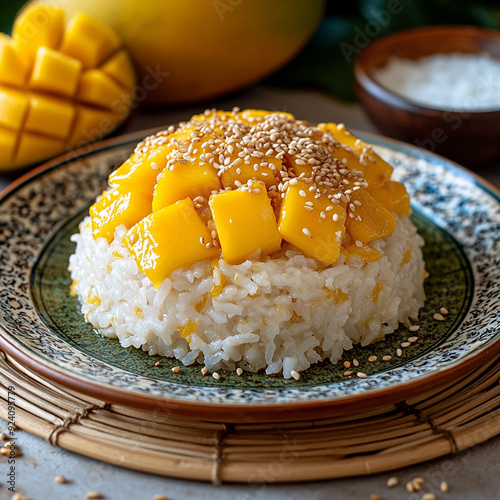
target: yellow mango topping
185 181
376 170
245 223
60 87
393 196
367 253
117 207
235 185
316 226
367 219
169 239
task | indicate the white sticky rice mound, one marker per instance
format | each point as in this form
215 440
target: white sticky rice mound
279 314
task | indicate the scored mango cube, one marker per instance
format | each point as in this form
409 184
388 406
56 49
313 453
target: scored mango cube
13 69
168 239
89 40
55 72
116 207
49 115
369 220
314 225
38 26
13 108
245 223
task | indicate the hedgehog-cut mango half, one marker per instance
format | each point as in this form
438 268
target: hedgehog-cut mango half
61 86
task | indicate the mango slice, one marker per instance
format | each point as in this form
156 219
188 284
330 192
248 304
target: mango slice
117 207
393 196
245 223
169 239
369 220
316 226
258 169
185 181
367 253
60 87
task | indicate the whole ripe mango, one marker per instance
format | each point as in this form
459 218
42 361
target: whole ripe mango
190 50
60 86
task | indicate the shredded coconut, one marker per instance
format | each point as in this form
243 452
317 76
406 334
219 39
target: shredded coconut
453 81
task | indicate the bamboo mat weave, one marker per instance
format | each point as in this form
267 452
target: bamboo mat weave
444 421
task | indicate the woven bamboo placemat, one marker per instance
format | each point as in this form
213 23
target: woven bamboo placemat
444 421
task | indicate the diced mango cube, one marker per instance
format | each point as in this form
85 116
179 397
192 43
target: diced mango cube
317 232
38 26
116 207
98 89
55 72
89 40
298 165
376 170
184 181
13 108
13 69
251 116
393 196
245 223
120 68
49 115
169 239
370 220
260 169
141 170
339 133
368 254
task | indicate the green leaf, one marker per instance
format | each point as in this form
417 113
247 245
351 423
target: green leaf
8 12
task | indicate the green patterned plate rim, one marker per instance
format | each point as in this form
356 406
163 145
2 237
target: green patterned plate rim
457 213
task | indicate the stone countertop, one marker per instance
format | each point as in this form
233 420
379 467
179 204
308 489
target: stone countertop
471 474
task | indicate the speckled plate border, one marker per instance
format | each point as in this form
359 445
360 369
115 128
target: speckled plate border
37 206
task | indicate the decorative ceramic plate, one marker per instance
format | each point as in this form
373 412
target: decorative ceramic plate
457 214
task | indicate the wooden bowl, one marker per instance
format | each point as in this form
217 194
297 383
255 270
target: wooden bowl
469 138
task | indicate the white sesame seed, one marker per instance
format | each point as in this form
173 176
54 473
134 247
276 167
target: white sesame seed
216 376
176 369
335 217
295 375
405 344
372 358
429 496
306 232
204 370
414 328
392 482
412 339
387 357
444 487
399 352
443 311
361 375
359 244
438 317
302 193
355 362
239 372
348 373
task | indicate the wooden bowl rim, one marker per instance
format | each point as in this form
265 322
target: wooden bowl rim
364 79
